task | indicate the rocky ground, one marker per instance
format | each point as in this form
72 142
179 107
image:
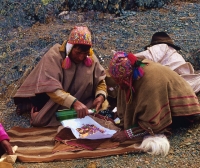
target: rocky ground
22 47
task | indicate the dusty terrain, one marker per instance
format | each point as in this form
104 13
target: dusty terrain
130 32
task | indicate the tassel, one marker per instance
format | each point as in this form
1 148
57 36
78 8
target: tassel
91 52
66 64
88 62
132 58
135 74
141 72
138 73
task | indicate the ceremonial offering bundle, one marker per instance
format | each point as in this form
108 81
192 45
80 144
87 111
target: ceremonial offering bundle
87 128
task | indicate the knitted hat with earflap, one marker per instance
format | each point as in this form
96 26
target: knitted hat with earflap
79 35
124 68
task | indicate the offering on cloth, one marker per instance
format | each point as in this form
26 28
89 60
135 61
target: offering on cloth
88 129
97 131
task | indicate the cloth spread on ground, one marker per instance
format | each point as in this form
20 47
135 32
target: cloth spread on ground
168 56
38 145
81 144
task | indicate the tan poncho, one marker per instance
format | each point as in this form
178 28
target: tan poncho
168 56
48 76
160 94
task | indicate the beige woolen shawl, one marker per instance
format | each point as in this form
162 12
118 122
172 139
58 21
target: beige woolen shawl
159 94
80 81
168 56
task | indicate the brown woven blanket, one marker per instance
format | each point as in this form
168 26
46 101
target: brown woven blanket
38 145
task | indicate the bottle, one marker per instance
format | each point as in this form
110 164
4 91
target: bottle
67 114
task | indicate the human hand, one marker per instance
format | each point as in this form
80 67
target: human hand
7 147
119 136
81 109
98 102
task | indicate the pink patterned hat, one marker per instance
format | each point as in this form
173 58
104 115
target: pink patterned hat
80 35
124 68
120 68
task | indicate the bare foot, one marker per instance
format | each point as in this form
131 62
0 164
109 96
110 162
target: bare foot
33 115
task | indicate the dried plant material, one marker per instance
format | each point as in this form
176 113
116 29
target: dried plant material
88 129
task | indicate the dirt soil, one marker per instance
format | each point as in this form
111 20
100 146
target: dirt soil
130 32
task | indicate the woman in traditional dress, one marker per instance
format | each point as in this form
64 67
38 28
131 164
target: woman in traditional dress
150 97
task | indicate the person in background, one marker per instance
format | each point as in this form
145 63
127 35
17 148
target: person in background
163 50
150 97
68 76
5 146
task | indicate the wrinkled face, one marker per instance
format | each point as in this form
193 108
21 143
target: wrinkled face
79 53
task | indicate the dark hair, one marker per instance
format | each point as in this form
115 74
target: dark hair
82 47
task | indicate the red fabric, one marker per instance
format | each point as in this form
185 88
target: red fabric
132 58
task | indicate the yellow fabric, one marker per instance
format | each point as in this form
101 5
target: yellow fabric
112 86
101 88
5 165
91 54
61 97
63 46
65 99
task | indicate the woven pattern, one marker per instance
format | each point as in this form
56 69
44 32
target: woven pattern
120 68
80 35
